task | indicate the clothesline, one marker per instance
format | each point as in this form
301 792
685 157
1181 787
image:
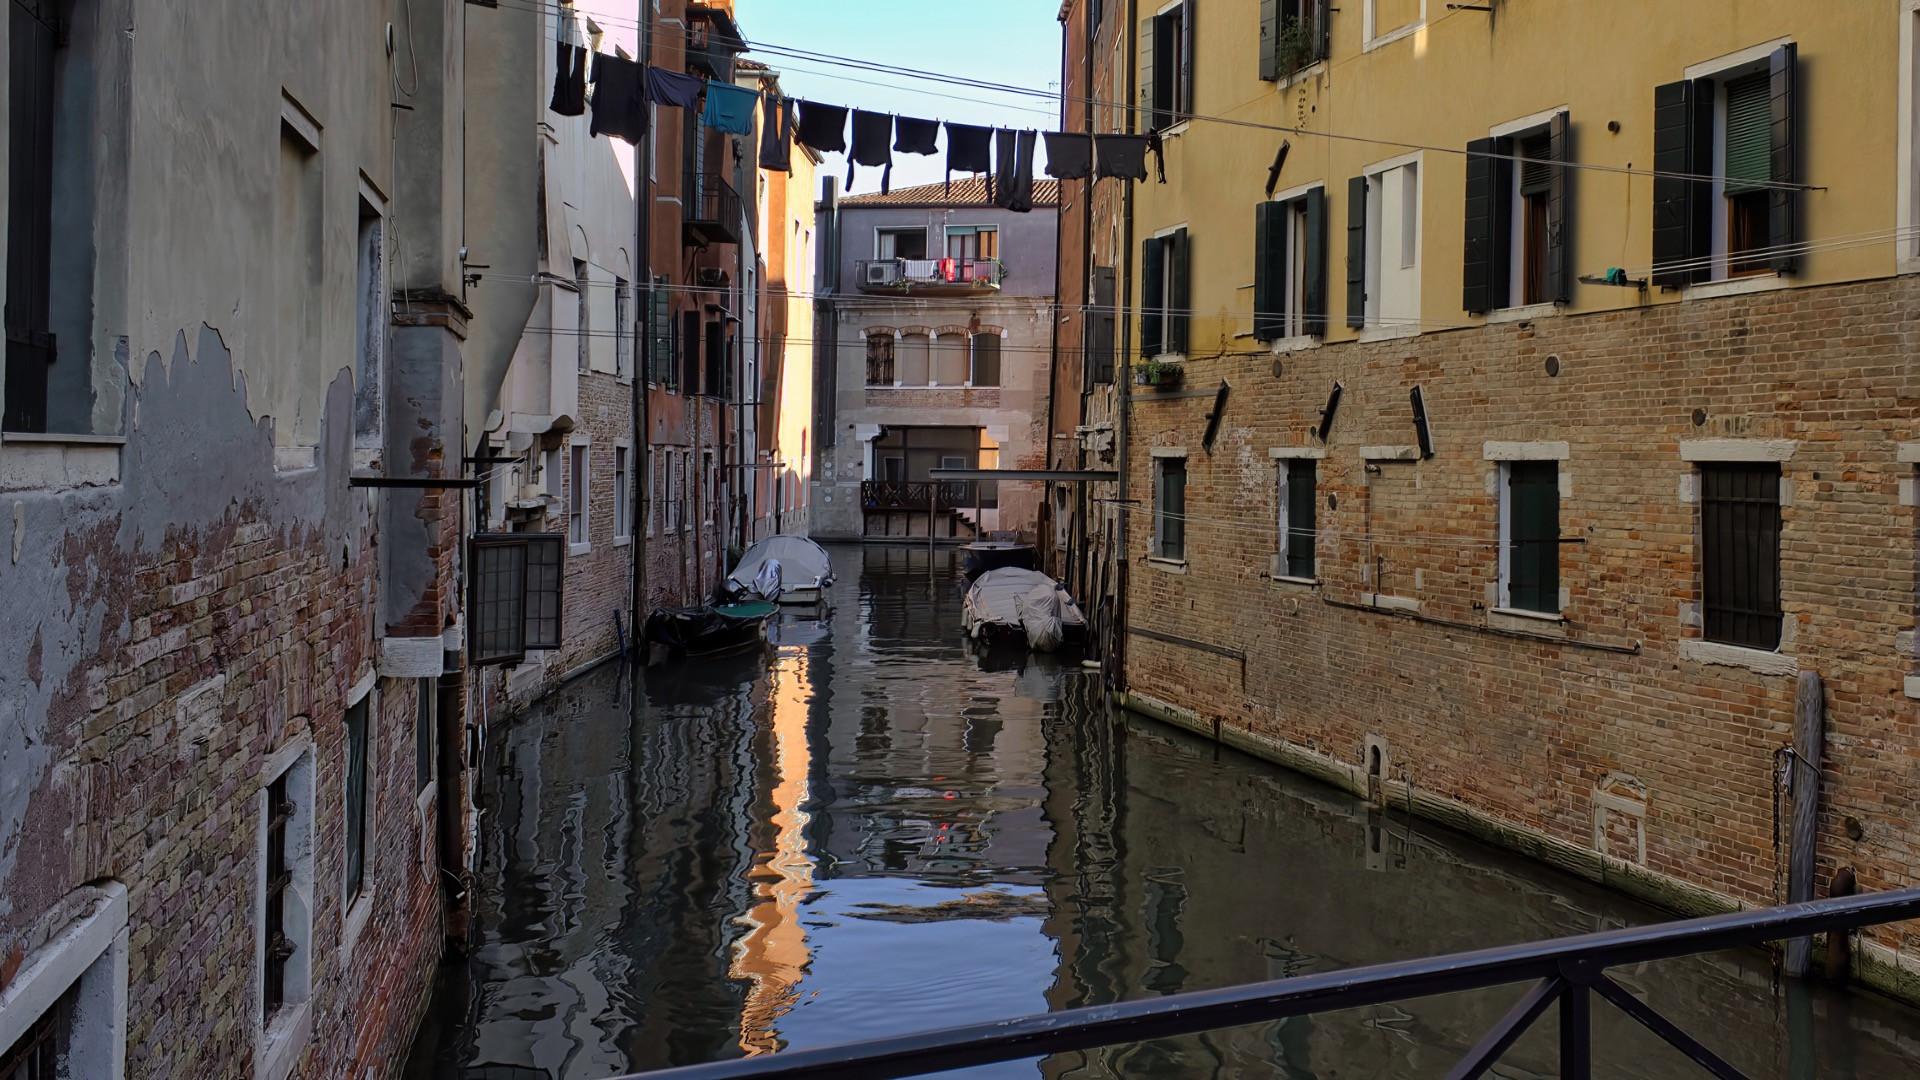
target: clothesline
624 90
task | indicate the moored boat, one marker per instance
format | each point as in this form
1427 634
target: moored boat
784 569
704 631
1010 602
983 555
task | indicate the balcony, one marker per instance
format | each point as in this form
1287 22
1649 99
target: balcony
917 494
712 211
929 277
713 41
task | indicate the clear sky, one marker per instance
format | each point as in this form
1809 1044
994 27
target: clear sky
1004 41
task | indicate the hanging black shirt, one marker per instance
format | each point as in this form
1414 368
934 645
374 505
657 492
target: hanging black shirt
674 88
872 132
969 149
1121 156
569 79
1013 153
912 136
619 98
776 133
823 127
1069 156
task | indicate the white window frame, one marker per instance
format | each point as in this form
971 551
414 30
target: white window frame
358 911
1511 306
1907 169
1409 248
583 321
1160 454
1717 69
1166 285
881 231
1503 455
1283 458
88 958
285 1034
961 228
673 490
1293 323
579 494
550 473
1371 38
622 491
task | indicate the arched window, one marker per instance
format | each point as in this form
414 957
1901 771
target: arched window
986 359
916 359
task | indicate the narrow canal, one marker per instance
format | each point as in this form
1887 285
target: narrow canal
868 830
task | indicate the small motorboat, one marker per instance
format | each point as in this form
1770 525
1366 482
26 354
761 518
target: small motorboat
705 631
784 569
1011 602
983 555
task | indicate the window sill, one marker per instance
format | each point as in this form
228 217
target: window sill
1318 67
359 913
1525 313
1528 613
1740 286
1296 343
622 541
286 1034
1911 687
1740 656
30 461
1520 620
1388 333
1167 566
1393 35
1390 603
1295 582
579 549
1907 266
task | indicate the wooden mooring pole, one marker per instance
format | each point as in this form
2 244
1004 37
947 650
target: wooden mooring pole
1809 727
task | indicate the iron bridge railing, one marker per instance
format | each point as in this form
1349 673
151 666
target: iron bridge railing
1566 972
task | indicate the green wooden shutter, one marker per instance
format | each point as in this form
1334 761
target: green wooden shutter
1179 295
1101 324
1302 504
1270 40
660 327
1476 271
1681 227
1186 61
1533 535
1357 252
1313 287
1783 205
1173 508
1270 269
1749 133
1323 26
1147 82
1559 218
1153 296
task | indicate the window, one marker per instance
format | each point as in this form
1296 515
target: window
299 240
1293 34
1170 508
1383 248
425 738
35 32
354 800
514 594
1299 496
880 358
653 489
1740 553
1737 123
709 486
1099 332
915 364
690 342
370 331
1164 296
717 357
622 497
582 323
1290 266
673 491
623 328
1166 66
1530 536
986 359
900 243
550 472
1516 250
1390 20
971 242
577 497
286 892
660 365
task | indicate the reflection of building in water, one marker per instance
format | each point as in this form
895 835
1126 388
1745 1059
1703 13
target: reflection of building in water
771 958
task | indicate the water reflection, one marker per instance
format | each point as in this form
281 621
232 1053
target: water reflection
868 829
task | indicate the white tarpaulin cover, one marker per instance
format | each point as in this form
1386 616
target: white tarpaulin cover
995 599
803 564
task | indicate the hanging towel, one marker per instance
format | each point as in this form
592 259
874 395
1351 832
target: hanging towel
969 149
569 80
823 127
912 136
776 134
1069 156
872 134
729 108
673 88
1120 156
619 101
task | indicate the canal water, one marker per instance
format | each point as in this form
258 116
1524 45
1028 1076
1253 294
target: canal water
868 829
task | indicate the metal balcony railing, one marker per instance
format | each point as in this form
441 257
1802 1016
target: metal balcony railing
903 275
712 214
916 494
1566 972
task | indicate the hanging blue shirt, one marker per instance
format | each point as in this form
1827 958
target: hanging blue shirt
729 108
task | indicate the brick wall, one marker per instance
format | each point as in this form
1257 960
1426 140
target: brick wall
1524 721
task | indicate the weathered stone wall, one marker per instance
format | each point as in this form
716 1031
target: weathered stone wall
1605 727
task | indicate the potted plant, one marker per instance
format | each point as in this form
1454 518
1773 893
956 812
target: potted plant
1296 46
1156 372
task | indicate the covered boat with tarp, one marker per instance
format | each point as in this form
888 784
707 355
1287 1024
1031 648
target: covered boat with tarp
703 631
1011 602
784 569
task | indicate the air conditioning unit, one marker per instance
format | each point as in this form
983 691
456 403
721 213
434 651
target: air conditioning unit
881 273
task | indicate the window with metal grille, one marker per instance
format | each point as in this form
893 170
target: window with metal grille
36 1054
514 594
354 803
1170 508
425 718
1299 494
1530 557
880 359
1740 553
279 877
